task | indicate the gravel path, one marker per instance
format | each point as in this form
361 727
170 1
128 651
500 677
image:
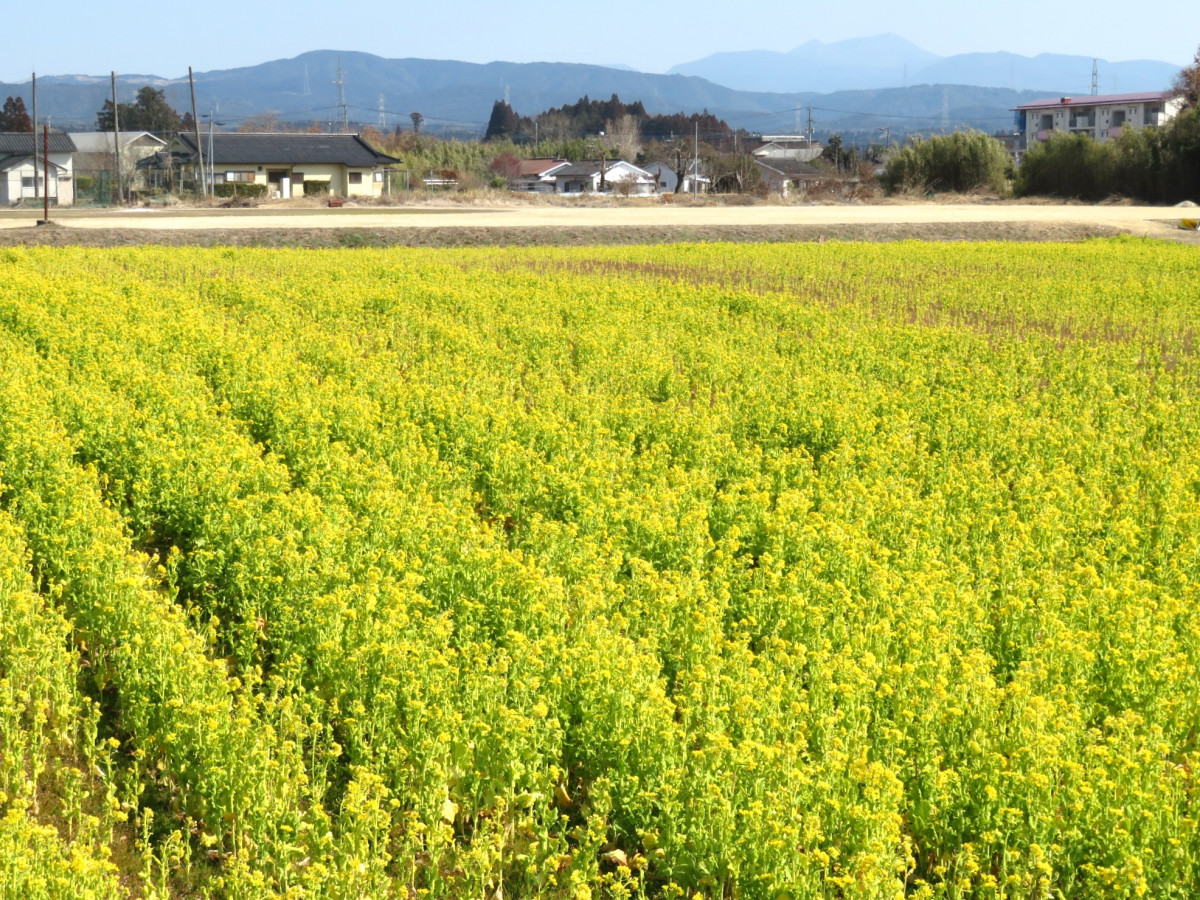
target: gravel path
275 225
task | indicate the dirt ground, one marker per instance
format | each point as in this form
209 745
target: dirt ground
528 224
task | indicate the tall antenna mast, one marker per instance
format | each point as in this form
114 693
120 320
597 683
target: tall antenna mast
341 97
1095 77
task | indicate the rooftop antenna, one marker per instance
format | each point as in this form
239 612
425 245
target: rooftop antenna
307 89
341 97
1095 77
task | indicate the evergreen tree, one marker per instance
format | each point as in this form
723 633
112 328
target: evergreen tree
504 123
149 112
14 116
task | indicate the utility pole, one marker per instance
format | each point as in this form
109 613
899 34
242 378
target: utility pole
809 130
696 164
35 138
46 175
196 134
116 137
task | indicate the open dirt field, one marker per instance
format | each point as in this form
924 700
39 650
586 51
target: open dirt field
524 224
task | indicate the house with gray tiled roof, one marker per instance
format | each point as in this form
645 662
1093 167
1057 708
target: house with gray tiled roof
289 165
22 177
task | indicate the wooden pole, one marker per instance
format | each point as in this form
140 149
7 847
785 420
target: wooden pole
46 170
116 137
196 134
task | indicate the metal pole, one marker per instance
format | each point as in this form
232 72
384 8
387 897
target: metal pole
696 165
196 133
35 138
116 136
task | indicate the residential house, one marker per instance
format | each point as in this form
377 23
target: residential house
290 165
668 179
619 176
94 156
787 146
23 177
782 176
536 176
1100 117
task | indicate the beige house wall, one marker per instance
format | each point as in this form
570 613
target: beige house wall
339 177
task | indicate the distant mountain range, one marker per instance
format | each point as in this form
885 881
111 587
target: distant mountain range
890 61
457 97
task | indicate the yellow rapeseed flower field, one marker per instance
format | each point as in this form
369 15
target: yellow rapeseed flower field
771 571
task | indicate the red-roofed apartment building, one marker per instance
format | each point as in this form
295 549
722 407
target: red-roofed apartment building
1098 116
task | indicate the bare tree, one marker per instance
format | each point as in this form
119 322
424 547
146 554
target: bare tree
623 136
1187 83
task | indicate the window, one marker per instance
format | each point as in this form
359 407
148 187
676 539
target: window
378 176
356 177
239 176
297 177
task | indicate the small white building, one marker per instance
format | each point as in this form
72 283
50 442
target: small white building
1098 116
23 177
668 178
536 176
620 177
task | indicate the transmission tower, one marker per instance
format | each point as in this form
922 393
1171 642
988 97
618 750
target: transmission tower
341 97
307 89
945 108
1095 77
382 115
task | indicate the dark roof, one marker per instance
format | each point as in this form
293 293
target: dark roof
538 166
1099 100
789 168
21 142
291 149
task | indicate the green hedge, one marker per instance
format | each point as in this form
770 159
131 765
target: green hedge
239 189
1159 165
316 188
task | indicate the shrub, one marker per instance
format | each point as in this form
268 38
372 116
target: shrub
1069 165
1158 165
84 183
963 161
316 188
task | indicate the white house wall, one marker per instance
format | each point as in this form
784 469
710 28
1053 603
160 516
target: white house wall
1099 122
62 183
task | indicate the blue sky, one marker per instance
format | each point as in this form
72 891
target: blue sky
94 38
